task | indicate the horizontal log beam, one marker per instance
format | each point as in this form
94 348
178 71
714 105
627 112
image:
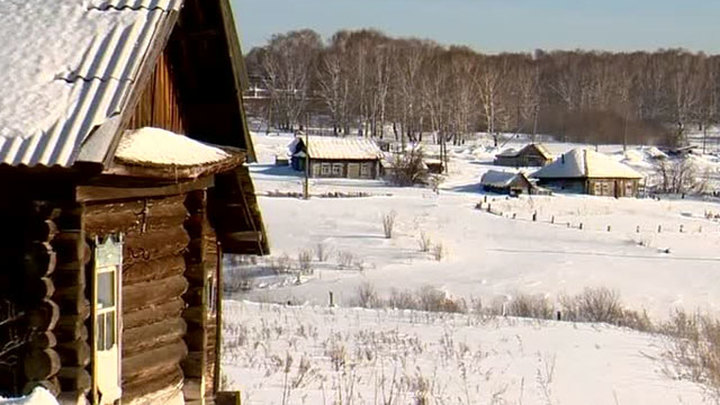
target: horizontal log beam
105 193
170 377
135 216
153 293
71 247
145 365
45 316
153 313
137 340
70 328
41 364
154 245
145 271
42 340
76 353
74 379
193 365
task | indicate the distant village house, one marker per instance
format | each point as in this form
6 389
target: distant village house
351 157
588 172
506 183
532 155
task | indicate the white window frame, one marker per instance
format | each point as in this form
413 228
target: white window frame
325 169
107 349
337 169
365 169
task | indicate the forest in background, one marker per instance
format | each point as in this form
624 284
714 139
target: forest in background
403 88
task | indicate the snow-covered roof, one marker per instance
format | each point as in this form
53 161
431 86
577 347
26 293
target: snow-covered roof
585 163
499 179
327 147
514 153
508 153
155 146
67 66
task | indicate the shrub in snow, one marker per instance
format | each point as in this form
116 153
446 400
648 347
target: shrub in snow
408 167
322 252
530 306
438 251
425 242
389 224
305 261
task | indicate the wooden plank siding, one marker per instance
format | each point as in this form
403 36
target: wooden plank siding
159 105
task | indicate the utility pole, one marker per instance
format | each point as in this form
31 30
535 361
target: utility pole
306 185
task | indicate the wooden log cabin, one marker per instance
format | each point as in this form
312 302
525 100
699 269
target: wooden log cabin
119 204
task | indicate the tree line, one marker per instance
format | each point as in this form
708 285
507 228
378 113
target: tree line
403 88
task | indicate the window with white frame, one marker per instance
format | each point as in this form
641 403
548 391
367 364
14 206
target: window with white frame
337 169
325 169
365 170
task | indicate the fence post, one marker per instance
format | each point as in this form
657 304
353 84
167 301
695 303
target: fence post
332 300
659 228
534 217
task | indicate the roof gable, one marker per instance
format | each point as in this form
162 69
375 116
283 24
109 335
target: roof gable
79 69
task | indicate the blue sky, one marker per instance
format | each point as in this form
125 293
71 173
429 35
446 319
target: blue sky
498 25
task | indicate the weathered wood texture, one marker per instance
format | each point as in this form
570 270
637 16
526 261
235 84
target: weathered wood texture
235 214
159 105
201 272
153 284
74 255
28 313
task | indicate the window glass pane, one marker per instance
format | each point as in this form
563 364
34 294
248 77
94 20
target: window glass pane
109 330
100 332
106 289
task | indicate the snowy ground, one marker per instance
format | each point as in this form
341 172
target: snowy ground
491 257
356 356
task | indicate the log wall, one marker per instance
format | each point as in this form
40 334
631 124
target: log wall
28 314
153 284
201 313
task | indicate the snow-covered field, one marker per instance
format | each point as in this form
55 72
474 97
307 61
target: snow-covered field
319 355
490 257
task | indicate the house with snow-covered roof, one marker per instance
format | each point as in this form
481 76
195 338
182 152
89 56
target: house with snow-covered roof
531 155
123 141
506 182
588 172
330 156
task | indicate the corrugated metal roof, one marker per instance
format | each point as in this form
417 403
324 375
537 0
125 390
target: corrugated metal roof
100 83
136 4
353 148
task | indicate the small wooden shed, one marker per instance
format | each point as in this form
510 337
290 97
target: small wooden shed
531 155
506 183
123 200
349 157
585 171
